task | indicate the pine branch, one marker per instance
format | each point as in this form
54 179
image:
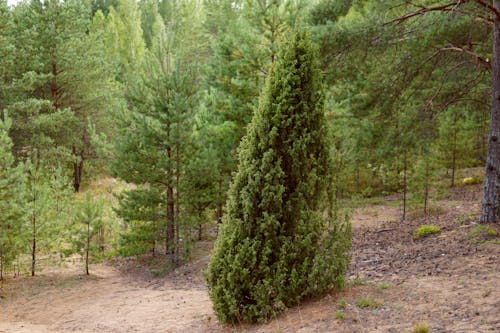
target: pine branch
442 8
489 7
480 60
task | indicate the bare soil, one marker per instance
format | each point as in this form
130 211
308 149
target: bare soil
449 282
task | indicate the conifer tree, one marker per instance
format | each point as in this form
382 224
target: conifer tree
47 200
62 81
276 246
11 204
152 151
88 222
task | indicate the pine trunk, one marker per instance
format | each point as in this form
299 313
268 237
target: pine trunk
170 230
491 206
77 170
33 248
87 250
405 187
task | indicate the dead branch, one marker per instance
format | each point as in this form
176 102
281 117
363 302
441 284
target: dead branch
480 60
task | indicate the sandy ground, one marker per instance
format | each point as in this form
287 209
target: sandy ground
449 282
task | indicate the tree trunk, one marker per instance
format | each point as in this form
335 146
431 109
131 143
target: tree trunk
454 156
33 248
405 187
54 88
491 206
177 204
77 170
426 190
170 229
87 250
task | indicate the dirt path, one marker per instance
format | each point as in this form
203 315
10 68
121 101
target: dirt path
106 302
449 282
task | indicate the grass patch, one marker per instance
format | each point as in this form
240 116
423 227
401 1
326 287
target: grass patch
472 180
482 230
420 328
426 230
357 281
384 286
368 303
340 315
342 304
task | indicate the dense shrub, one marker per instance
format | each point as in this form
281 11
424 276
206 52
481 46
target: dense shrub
279 242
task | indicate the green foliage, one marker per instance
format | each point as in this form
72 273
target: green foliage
87 224
368 303
384 286
275 246
426 230
342 304
155 151
12 182
340 315
483 230
47 194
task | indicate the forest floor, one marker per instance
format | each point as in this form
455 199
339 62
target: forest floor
449 282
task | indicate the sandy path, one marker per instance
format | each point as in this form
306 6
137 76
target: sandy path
109 302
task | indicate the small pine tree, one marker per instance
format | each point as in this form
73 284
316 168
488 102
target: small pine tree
275 247
88 222
11 207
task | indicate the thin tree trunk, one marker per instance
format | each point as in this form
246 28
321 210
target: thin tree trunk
170 232
54 89
357 179
1 266
404 186
454 158
218 213
426 191
33 249
87 250
177 204
491 204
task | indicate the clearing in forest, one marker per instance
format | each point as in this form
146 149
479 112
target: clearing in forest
449 282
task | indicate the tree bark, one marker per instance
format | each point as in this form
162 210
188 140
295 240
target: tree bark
87 250
405 187
177 203
491 206
170 227
77 170
426 190
54 88
33 249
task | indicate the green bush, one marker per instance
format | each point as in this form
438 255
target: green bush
426 230
276 244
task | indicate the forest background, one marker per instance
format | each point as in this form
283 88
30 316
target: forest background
158 94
